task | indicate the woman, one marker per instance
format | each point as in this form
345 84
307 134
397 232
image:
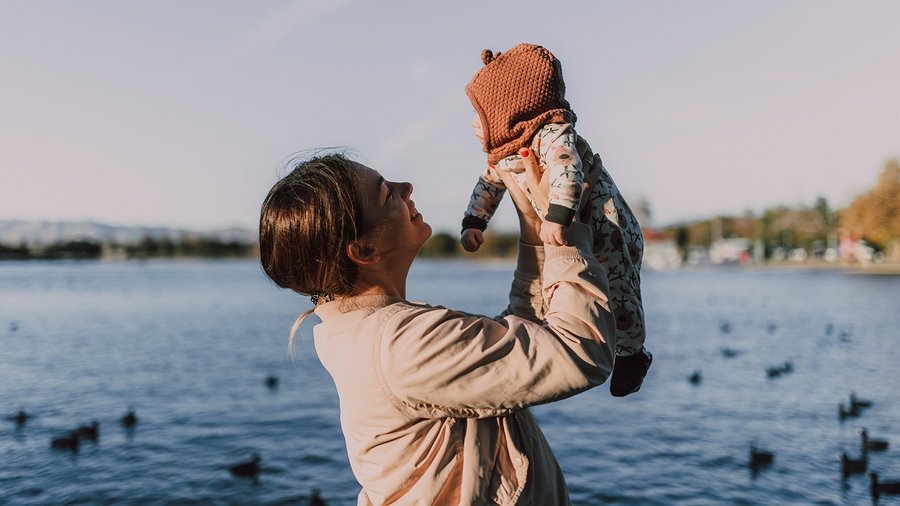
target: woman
434 401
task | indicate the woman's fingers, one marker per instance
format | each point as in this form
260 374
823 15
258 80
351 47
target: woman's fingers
518 196
538 184
529 221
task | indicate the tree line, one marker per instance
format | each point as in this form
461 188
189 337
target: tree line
147 247
873 216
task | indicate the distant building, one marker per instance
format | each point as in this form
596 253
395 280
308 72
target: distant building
728 251
660 253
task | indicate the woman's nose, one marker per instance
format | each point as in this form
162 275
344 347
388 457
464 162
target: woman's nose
406 190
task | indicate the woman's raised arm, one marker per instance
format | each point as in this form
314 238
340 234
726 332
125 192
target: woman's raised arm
436 362
439 362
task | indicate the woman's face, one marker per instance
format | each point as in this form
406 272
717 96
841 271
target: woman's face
392 219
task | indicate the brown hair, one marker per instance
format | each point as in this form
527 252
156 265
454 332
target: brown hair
306 222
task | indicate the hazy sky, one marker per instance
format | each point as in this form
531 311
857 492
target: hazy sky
183 113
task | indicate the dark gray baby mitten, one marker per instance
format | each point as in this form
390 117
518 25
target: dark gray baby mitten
628 373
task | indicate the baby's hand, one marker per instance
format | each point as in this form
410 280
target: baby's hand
552 233
471 239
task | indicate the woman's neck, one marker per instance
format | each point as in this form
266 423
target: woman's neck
390 283
386 277
393 292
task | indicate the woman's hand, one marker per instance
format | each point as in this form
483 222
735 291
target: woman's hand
538 186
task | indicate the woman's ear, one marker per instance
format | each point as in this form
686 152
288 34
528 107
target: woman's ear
361 254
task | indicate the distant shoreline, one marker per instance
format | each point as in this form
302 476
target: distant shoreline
872 269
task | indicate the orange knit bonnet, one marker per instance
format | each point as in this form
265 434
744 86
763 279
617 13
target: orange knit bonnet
514 94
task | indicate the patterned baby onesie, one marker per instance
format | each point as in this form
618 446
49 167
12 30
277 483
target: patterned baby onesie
618 242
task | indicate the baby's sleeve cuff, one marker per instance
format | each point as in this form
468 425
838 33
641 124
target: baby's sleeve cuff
560 214
473 222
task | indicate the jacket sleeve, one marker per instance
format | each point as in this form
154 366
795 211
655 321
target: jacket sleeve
526 298
437 362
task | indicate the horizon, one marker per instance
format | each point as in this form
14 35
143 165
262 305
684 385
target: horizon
182 116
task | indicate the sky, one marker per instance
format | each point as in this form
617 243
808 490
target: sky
184 114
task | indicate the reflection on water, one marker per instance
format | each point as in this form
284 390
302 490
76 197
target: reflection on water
190 347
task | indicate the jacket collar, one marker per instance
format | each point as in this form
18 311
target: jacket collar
370 303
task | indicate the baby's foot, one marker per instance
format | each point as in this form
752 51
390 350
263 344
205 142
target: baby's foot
628 373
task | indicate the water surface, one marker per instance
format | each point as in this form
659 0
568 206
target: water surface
189 344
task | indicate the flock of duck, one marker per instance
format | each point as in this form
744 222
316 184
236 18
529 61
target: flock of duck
760 459
72 439
851 466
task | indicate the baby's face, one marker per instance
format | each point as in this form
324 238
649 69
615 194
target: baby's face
476 124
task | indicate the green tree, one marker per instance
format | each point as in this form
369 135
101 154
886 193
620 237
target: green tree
441 245
876 213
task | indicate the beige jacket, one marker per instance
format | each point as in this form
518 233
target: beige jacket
434 401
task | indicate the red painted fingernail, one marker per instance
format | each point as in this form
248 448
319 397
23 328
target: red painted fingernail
525 152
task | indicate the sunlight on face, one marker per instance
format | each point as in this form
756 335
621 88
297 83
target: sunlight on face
388 206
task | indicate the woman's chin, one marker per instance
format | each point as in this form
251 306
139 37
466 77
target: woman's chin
426 234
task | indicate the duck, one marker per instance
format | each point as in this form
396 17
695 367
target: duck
696 377
771 327
844 413
729 352
129 420
882 487
760 458
316 499
70 442
89 432
875 445
725 327
778 370
248 469
13 326
859 403
853 466
20 417
272 382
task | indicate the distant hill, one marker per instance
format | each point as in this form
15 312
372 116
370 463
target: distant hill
16 232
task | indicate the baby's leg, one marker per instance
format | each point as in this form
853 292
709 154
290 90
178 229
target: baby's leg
618 246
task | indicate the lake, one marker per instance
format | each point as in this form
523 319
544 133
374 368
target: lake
188 345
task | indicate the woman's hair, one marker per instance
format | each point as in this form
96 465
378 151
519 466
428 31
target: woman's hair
306 223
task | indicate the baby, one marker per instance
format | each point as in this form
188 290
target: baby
519 101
